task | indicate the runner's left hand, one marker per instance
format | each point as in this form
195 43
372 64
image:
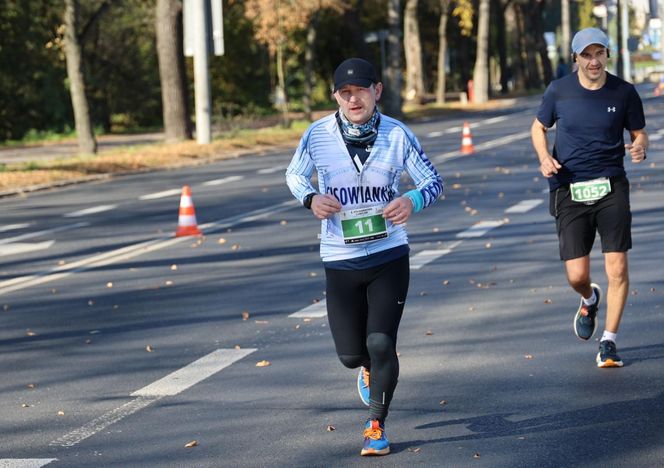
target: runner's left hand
637 152
398 210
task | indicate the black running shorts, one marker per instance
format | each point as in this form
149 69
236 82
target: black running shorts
577 222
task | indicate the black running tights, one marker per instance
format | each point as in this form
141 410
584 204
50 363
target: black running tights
364 309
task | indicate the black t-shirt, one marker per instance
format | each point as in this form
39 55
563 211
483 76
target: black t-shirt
589 126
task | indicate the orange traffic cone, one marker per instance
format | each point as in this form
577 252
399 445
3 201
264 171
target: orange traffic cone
187 217
467 140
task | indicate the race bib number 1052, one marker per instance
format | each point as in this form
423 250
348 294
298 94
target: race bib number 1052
590 191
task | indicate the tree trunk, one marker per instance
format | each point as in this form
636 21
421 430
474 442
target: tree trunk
413 49
309 66
442 51
393 78
481 71
498 11
86 139
538 33
174 95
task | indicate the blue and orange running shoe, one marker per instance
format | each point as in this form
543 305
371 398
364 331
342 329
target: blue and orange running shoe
585 319
608 355
375 440
363 385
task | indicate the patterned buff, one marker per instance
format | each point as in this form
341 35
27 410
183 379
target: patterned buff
359 134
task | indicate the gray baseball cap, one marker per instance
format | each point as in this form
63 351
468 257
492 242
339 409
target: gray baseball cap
588 36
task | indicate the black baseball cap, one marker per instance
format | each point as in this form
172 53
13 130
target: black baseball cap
354 71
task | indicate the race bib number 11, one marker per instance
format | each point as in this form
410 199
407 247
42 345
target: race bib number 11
363 225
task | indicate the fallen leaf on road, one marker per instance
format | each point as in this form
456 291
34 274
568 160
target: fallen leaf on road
548 301
169 283
191 444
283 222
109 284
429 332
235 247
174 267
237 346
528 356
61 413
313 274
477 455
25 405
30 333
262 363
330 428
245 315
148 348
31 385
446 282
413 449
91 302
221 240
442 402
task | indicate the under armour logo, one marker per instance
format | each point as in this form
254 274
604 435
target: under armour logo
350 72
611 109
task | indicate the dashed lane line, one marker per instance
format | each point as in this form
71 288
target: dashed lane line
135 250
424 257
507 139
271 170
13 227
224 180
479 229
25 462
30 235
163 194
173 384
524 206
91 210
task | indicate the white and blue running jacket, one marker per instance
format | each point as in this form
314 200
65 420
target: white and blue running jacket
377 183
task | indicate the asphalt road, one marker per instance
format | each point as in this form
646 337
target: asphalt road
120 345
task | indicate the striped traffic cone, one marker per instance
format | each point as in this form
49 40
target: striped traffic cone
467 140
187 217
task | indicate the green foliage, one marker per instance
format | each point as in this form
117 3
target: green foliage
32 94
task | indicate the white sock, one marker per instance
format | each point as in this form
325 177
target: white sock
591 300
607 335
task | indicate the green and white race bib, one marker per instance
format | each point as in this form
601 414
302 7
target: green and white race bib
591 190
363 224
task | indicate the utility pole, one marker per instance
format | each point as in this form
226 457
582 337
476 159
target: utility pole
564 43
201 76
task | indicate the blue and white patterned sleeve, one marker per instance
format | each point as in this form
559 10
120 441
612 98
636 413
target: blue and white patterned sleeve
300 170
422 171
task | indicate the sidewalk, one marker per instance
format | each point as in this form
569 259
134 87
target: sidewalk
69 148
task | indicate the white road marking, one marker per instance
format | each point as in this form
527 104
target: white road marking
134 250
13 249
25 462
271 170
92 210
164 194
13 227
524 206
170 385
180 380
507 139
224 180
30 235
315 310
424 257
479 229
449 130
